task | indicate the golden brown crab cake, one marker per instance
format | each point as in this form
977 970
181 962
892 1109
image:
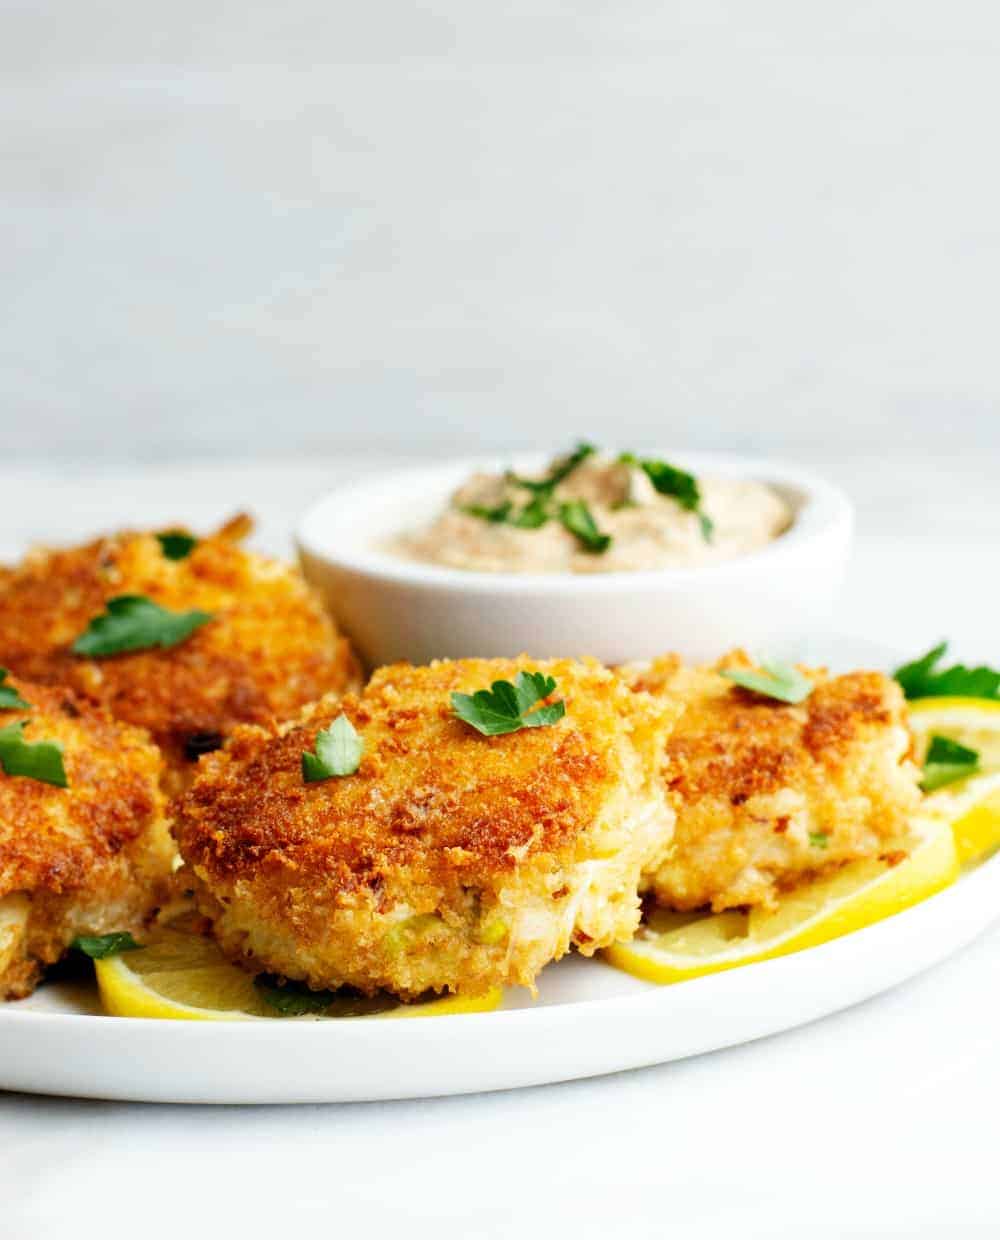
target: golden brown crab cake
268 650
450 860
86 859
766 793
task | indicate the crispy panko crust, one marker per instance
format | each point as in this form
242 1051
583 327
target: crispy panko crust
450 860
87 859
766 794
269 649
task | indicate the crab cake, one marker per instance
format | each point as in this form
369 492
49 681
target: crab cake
766 793
450 860
89 858
268 648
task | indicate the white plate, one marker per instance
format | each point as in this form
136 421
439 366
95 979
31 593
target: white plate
589 1019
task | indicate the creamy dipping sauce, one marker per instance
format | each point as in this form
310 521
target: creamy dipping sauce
499 524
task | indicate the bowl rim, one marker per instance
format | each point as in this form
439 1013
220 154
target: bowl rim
824 509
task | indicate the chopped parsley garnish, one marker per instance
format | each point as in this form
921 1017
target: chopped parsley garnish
579 520
292 998
559 472
134 622
575 516
10 699
99 946
496 515
774 680
177 544
818 839
677 484
42 761
509 707
669 480
534 514
338 752
923 678
946 762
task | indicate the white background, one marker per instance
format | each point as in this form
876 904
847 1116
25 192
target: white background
295 240
246 227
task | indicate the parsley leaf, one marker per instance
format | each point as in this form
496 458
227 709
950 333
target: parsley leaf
42 761
559 472
338 752
508 707
946 762
10 699
775 680
496 515
534 514
579 520
677 484
818 839
540 509
292 998
922 678
177 544
134 622
575 515
98 946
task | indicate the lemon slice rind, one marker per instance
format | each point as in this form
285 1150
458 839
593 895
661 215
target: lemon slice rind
855 896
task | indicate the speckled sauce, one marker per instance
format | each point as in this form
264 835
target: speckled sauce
647 529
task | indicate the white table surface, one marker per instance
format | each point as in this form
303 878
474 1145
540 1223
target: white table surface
878 1121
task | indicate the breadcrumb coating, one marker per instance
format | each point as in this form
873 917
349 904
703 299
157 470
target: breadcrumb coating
90 858
765 793
269 649
450 860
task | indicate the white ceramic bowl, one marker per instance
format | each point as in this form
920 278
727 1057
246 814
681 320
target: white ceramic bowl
769 601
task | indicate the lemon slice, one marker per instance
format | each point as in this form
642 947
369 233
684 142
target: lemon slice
676 947
972 806
180 975
974 722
